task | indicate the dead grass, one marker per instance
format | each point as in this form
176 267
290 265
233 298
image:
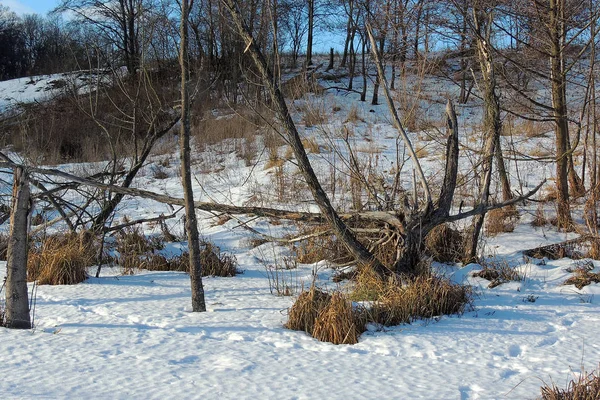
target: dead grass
539 219
314 115
445 244
61 259
497 272
422 297
585 387
501 220
338 322
354 115
331 317
239 123
318 248
311 145
298 86
582 277
135 248
305 310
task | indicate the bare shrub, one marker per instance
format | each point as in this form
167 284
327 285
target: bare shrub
159 172
444 244
585 387
283 278
61 259
500 220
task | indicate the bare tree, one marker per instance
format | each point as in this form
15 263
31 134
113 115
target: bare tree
191 223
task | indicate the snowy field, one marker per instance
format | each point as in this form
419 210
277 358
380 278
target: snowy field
134 337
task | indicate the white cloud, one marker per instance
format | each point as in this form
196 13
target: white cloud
17 7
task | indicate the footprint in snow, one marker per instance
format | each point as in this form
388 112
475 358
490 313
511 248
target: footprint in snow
514 350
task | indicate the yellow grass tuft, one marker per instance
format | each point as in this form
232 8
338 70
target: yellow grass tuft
61 259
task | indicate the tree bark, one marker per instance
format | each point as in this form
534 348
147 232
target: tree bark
191 224
492 125
17 303
560 114
311 23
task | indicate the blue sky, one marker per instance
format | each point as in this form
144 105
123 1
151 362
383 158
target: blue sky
30 6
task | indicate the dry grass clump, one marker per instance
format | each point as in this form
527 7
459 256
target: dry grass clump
216 263
314 116
332 317
61 259
498 272
135 249
539 219
582 277
338 322
501 220
423 297
586 387
305 310
445 244
354 115
311 146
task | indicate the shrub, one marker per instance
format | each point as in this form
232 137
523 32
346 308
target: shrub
61 259
444 244
586 387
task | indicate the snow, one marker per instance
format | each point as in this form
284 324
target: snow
130 337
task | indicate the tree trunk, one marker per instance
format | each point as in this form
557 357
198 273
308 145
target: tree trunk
559 106
375 99
357 249
492 125
191 224
311 23
17 303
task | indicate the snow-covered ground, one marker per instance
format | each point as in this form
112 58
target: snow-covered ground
134 337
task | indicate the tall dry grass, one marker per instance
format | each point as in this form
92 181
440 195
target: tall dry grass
61 259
